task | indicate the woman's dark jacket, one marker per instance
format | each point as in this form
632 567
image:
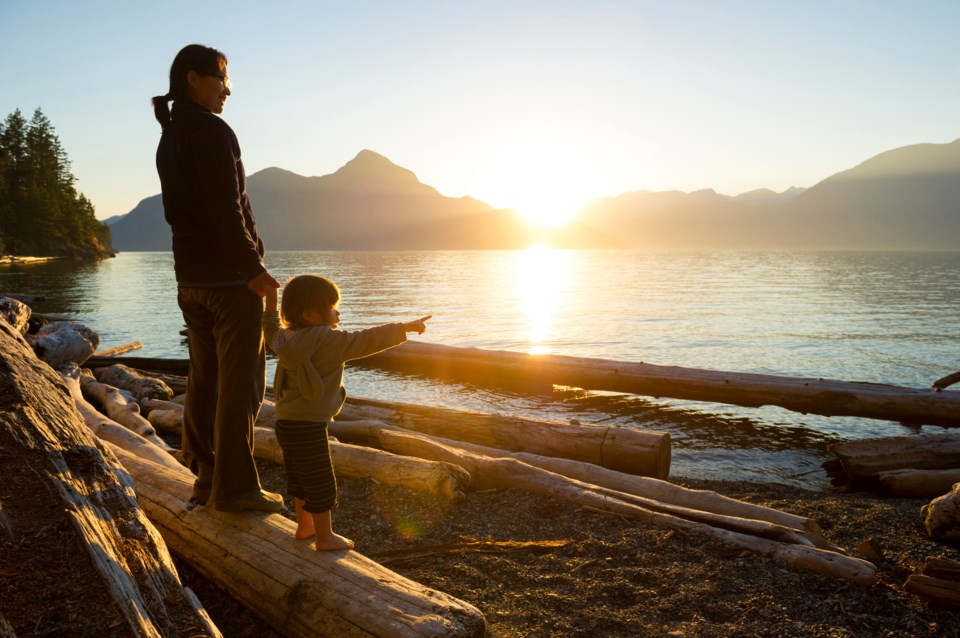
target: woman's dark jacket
215 239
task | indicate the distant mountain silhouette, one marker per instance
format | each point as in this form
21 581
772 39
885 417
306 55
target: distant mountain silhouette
370 203
906 198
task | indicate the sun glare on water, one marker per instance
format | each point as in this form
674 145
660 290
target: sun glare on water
542 278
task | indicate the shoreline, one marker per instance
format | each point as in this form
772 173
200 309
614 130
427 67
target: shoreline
19 259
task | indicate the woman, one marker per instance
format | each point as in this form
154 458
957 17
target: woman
221 280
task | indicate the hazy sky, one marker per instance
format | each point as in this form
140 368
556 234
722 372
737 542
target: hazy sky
509 102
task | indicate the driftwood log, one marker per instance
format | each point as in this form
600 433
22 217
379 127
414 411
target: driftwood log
125 411
777 542
945 382
941 517
51 461
807 395
863 461
117 350
634 451
918 483
300 591
432 477
141 386
938 582
63 342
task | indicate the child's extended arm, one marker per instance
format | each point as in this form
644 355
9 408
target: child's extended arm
270 299
417 325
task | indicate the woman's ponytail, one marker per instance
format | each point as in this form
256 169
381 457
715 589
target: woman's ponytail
161 109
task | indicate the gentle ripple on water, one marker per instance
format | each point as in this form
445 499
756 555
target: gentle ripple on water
882 317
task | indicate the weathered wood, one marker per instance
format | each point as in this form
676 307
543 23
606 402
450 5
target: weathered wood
54 457
865 458
431 477
149 405
124 378
15 313
945 382
941 517
940 567
169 421
918 483
942 592
764 538
109 430
299 591
807 395
118 407
64 342
651 488
634 451
115 350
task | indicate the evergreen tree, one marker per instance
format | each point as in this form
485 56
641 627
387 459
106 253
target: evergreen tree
41 212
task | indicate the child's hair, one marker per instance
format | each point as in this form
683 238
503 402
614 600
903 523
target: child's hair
304 292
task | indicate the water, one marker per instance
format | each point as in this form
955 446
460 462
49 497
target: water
883 317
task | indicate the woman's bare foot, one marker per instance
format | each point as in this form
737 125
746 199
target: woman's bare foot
332 542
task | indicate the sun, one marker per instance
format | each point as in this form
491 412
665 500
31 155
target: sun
547 184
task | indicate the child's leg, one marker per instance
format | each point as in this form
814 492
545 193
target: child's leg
327 539
305 526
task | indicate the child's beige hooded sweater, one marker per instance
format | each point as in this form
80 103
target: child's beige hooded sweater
308 385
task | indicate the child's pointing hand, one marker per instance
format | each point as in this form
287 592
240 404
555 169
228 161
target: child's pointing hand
419 326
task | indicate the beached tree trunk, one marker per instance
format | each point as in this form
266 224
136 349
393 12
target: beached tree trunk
941 517
807 395
629 450
793 546
300 591
141 386
431 477
48 453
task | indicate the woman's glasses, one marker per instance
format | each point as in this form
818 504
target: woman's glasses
224 80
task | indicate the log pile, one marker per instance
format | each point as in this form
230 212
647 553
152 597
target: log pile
914 466
937 582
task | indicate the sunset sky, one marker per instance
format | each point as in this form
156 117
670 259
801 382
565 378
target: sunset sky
521 103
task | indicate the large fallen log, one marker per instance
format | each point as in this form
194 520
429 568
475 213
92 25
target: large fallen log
299 591
864 459
807 395
796 549
941 517
431 477
51 461
634 451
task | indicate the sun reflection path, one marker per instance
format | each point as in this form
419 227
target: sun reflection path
542 278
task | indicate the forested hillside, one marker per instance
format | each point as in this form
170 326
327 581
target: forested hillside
41 212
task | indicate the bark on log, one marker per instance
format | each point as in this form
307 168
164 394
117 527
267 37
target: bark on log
807 395
941 517
865 458
51 458
633 451
118 407
432 477
142 387
15 313
918 483
507 473
939 567
938 590
64 342
298 590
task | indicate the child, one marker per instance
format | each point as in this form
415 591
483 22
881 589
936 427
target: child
309 392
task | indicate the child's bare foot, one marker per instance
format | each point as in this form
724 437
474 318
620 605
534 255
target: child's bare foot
306 527
332 542
304 534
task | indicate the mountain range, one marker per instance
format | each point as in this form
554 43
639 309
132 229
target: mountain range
905 198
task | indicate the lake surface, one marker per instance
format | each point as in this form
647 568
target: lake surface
882 317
